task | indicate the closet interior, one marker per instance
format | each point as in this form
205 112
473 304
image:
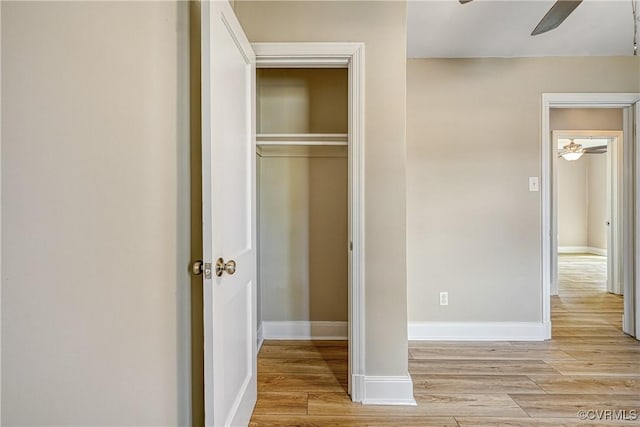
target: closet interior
302 196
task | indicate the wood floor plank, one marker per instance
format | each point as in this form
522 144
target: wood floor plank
296 382
339 404
568 405
586 367
491 353
568 347
534 422
567 384
624 356
428 405
281 403
489 404
359 421
460 344
303 350
429 384
310 366
584 331
481 367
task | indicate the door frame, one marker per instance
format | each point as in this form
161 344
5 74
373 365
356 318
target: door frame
630 103
350 56
614 266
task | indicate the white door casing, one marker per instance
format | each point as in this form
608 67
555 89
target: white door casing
351 56
635 137
631 214
229 224
630 151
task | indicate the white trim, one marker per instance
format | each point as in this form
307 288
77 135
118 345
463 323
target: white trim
357 384
260 337
302 139
304 330
636 253
308 151
626 261
388 390
571 100
350 55
1 276
305 55
478 331
581 250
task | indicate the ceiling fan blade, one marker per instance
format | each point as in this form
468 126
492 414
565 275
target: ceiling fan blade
464 1
556 16
597 148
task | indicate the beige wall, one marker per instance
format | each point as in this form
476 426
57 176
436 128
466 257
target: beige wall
303 236
573 225
585 118
597 204
473 138
298 100
95 214
582 202
582 192
382 27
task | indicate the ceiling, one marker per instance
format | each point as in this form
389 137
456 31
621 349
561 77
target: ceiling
502 28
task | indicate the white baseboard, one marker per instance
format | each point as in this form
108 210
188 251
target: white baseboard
260 337
388 390
597 251
304 330
357 387
581 250
479 331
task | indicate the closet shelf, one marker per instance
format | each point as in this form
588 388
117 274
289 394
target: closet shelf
302 139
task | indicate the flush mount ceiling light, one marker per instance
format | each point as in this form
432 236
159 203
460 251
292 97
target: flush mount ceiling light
572 151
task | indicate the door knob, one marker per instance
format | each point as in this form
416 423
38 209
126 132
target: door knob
198 267
221 267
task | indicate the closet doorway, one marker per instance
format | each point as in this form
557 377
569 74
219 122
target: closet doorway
310 195
302 125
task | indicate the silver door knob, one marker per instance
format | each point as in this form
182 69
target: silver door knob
196 267
222 267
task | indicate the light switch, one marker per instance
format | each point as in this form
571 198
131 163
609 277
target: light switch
533 183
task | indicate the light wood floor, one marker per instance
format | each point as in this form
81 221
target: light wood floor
589 364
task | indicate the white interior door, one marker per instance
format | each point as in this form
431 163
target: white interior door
627 260
229 226
634 295
609 219
615 248
554 217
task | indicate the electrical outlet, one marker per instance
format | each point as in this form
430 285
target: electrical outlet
444 298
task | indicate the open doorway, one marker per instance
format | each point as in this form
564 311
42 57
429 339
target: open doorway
310 111
586 282
629 158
